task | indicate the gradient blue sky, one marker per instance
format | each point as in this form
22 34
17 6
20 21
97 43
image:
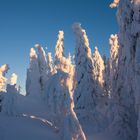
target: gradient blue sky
24 23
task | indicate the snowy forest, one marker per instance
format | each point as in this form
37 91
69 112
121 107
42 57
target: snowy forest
82 96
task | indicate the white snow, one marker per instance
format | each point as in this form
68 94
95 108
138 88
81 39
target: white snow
114 3
80 96
3 70
84 97
33 85
13 79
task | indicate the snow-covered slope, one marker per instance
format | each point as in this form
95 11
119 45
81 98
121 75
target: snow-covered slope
31 122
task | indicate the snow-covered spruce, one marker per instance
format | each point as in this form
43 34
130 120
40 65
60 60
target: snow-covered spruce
71 129
60 106
3 70
110 76
59 49
114 4
113 61
9 106
135 49
124 125
50 66
33 84
107 87
42 64
61 62
13 80
84 95
98 72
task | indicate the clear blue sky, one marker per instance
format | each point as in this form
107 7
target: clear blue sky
24 23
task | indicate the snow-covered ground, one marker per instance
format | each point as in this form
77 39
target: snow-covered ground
32 123
25 128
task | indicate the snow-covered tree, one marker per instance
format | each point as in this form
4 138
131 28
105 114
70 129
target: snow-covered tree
59 49
107 87
3 70
50 66
9 106
60 105
124 125
42 64
71 129
61 62
98 71
13 79
84 95
33 83
114 3
135 50
54 98
114 50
